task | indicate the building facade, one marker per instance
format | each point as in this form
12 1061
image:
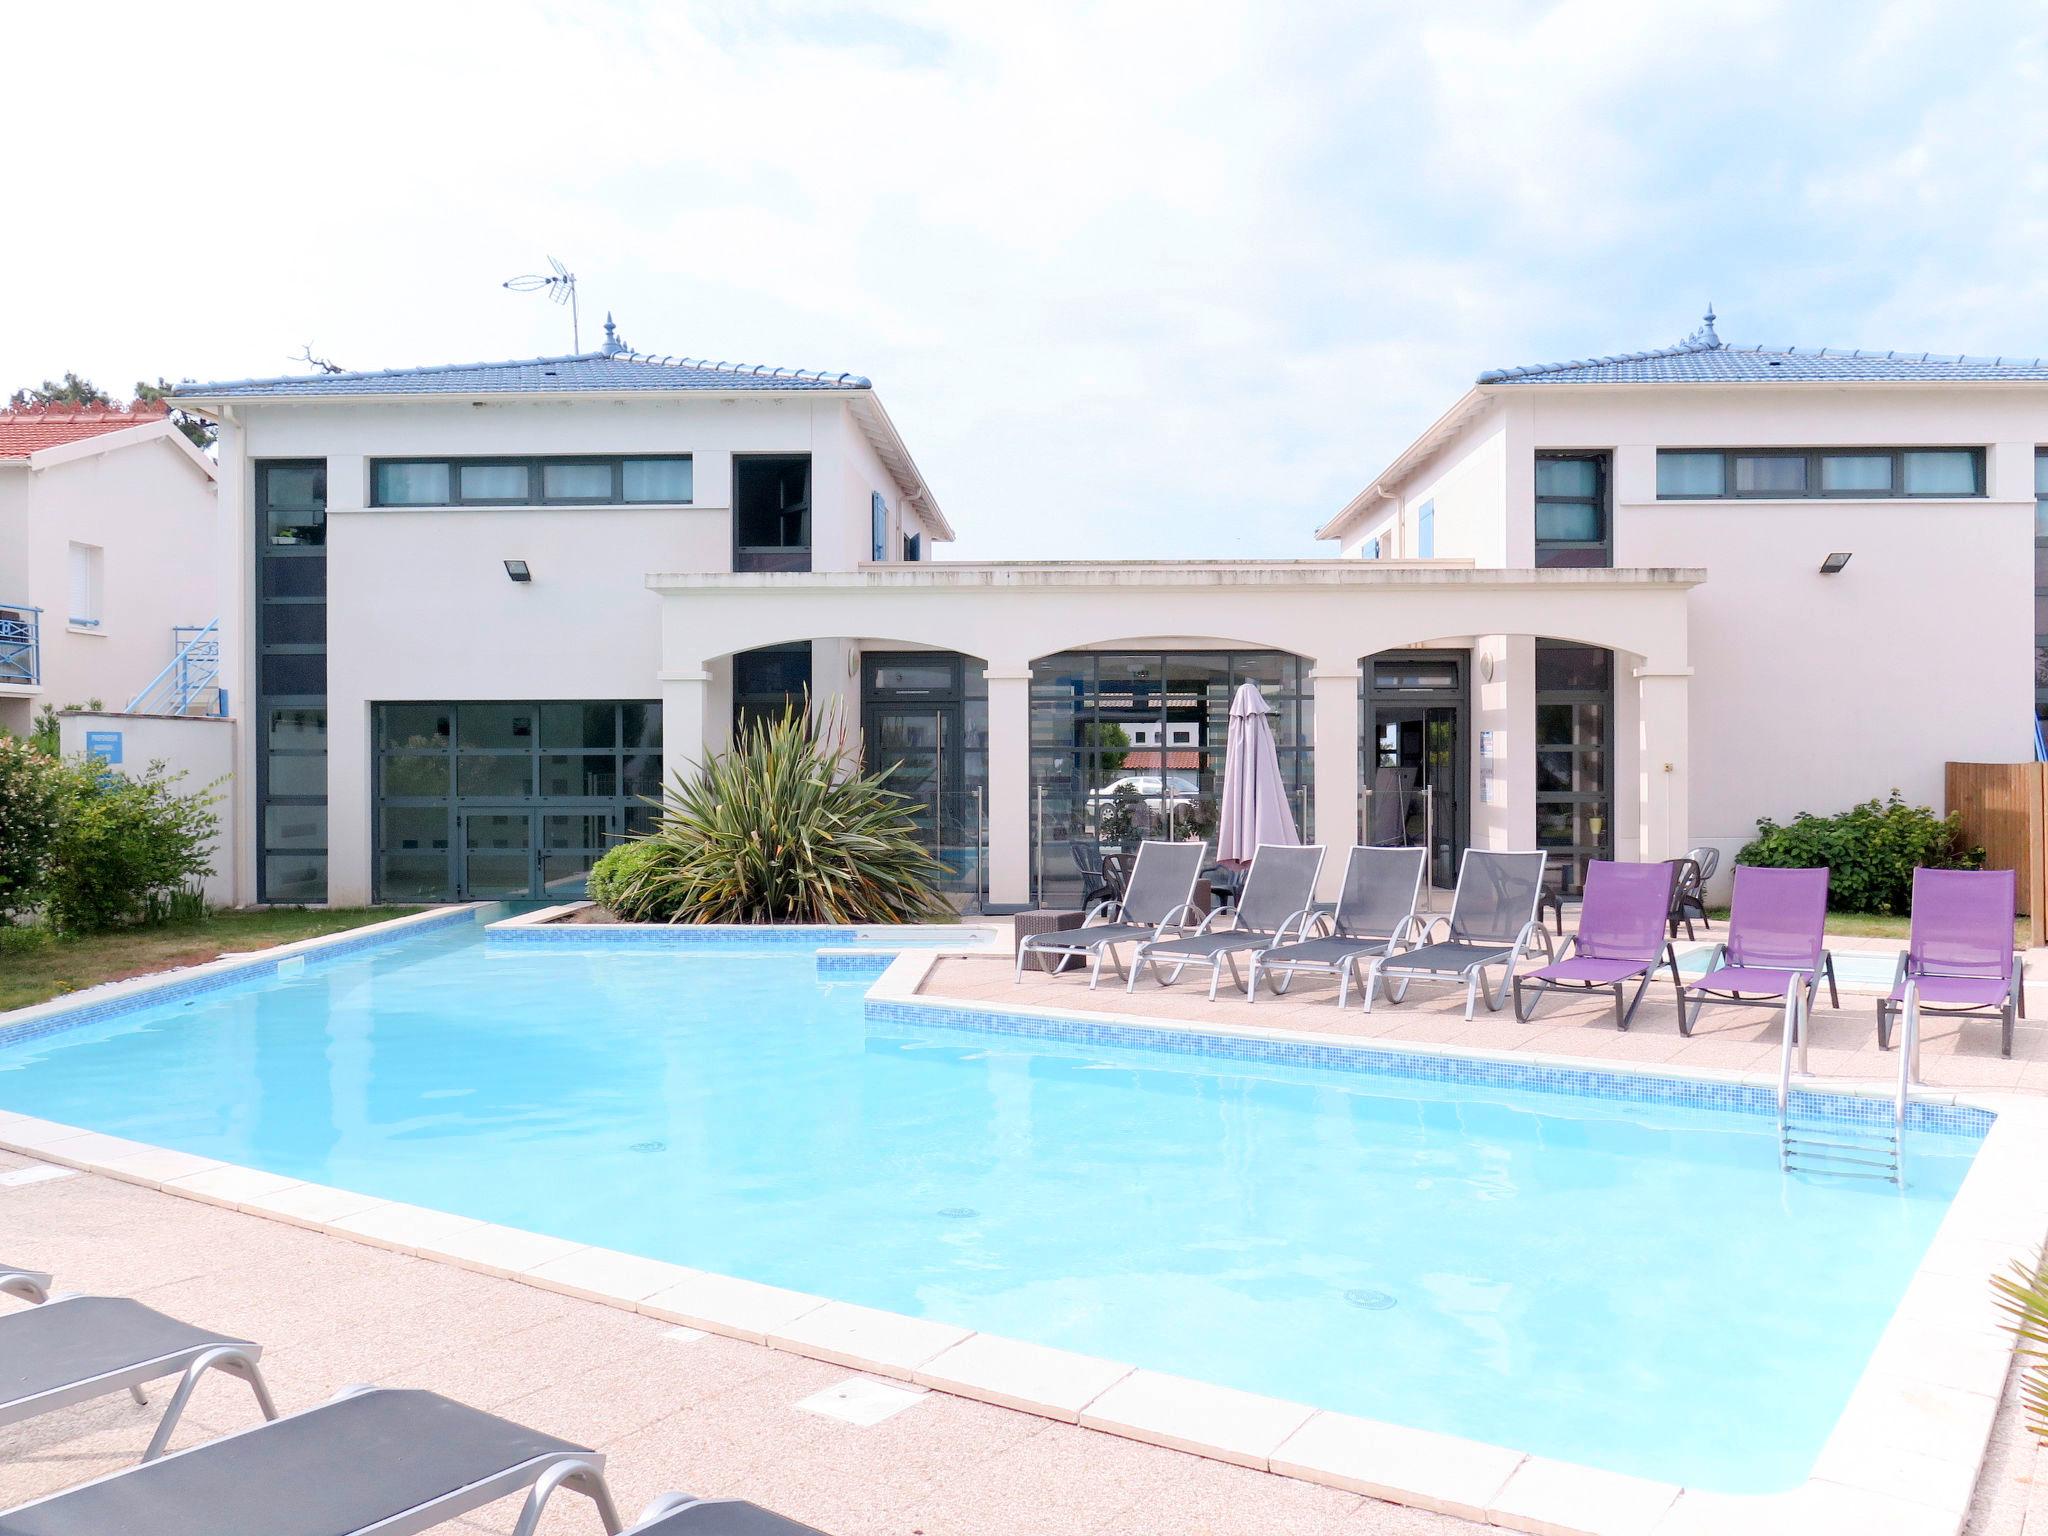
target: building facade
110 556
478 613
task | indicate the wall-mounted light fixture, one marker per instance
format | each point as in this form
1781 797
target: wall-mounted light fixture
1832 566
518 570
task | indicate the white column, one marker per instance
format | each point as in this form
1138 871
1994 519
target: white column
684 715
1336 742
1009 786
1663 766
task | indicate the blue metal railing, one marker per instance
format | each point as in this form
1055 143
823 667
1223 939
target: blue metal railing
21 653
191 672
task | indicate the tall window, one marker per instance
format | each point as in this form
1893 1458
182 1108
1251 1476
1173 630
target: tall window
771 512
1574 761
765 683
2041 583
1572 523
878 527
1425 531
88 575
291 680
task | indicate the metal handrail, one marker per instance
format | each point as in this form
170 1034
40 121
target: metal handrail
189 673
21 660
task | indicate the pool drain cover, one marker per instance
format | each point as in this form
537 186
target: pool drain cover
648 1146
959 1213
1372 1301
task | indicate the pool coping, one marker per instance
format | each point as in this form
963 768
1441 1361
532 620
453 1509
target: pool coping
544 925
1904 1456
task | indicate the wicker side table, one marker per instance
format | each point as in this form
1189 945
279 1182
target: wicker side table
1046 920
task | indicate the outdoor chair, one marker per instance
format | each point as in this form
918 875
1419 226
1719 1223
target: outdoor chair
1096 884
1279 890
31 1285
1492 921
1689 894
1776 948
677 1514
77 1348
1158 902
368 1460
1620 939
1375 915
1960 958
1708 859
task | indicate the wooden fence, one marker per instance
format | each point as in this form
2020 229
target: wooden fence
2004 807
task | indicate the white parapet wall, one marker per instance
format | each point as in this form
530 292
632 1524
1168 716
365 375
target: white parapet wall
202 747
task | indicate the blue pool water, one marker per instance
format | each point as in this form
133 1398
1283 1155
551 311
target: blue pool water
1633 1286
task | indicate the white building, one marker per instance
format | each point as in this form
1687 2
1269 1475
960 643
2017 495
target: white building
478 610
110 555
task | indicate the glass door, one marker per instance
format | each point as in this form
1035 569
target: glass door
1413 797
497 853
914 748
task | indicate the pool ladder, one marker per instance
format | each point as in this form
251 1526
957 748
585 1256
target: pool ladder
1844 1149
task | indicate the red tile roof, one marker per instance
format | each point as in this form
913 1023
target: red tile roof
22 432
1138 759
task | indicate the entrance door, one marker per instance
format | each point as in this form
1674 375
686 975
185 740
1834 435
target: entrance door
915 747
497 853
1415 799
511 853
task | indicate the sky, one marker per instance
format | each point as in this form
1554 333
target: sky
1134 280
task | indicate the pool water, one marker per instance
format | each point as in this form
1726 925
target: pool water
1633 1286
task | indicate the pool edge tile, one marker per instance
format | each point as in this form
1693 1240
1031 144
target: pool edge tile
728 1305
605 1274
1546 1497
1014 1373
1183 1414
1445 1474
868 1338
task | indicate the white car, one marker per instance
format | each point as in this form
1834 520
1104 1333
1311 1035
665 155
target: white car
1156 790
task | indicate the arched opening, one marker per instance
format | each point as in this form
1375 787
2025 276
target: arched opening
1128 743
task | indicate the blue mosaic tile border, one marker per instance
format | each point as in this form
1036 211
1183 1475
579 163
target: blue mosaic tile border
259 968
1380 1061
677 935
856 963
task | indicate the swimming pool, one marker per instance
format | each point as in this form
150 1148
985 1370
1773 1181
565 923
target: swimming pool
1630 1285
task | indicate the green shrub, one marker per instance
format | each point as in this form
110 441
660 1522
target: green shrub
24 938
778 830
125 847
30 793
615 873
1870 851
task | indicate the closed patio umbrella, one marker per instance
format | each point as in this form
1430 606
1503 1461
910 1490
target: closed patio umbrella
1255 806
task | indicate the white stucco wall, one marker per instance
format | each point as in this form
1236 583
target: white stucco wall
201 747
153 512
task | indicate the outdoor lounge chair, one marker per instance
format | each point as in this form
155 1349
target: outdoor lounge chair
1375 914
1492 922
77 1348
1960 958
1157 902
1620 939
1776 948
29 1284
1689 894
368 1460
1278 898
677 1514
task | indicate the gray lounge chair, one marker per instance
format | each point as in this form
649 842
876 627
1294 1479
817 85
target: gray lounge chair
1278 899
29 1284
1375 915
1157 902
77 1348
677 1514
1492 922
369 1460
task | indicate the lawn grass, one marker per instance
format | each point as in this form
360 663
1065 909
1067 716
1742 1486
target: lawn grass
36 975
1874 925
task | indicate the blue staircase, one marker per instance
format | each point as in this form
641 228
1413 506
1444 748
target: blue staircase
190 684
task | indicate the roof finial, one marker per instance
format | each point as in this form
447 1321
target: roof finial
612 345
1704 337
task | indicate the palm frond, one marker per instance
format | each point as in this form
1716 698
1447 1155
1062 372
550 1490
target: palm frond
2023 1297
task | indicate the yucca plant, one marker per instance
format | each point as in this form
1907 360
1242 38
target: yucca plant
780 829
2023 1295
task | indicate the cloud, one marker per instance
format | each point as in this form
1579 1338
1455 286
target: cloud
1137 280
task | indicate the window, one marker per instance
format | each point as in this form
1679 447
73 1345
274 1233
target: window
87 570
1571 510
1370 549
1574 769
525 482
913 547
291 679
1799 474
2041 583
771 511
878 527
1425 531
767 683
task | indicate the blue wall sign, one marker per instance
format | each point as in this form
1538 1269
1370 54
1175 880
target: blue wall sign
104 745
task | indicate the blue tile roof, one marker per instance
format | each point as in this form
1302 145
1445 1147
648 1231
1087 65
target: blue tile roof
599 372
1703 358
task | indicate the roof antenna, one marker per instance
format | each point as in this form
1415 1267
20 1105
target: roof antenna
561 287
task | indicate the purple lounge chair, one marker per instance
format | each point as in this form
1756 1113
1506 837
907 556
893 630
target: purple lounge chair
1621 937
1960 958
1776 945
